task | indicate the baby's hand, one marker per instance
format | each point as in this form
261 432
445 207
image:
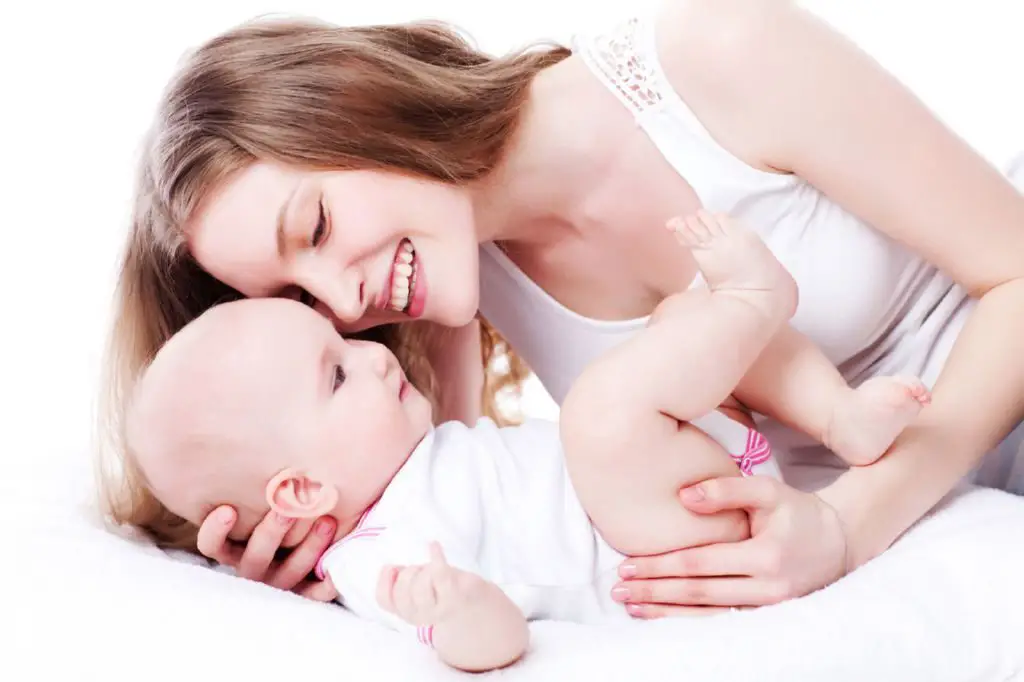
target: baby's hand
427 594
471 623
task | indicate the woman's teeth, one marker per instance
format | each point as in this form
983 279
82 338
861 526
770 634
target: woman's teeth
404 278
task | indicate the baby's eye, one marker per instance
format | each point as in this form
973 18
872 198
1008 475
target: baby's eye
339 377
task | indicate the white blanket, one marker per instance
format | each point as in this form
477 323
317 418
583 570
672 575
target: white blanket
944 604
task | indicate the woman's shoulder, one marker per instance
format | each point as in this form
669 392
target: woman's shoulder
703 60
718 35
717 55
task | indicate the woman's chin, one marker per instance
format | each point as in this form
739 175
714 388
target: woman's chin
462 313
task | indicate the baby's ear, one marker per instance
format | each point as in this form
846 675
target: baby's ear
292 494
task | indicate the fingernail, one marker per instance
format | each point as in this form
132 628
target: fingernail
227 517
620 594
627 571
324 527
635 610
692 494
282 519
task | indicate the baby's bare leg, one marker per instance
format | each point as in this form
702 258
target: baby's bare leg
793 382
628 446
628 467
700 343
790 379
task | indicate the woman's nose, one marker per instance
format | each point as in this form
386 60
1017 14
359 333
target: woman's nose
347 299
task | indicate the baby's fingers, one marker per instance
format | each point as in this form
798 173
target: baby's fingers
402 593
386 588
437 555
423 591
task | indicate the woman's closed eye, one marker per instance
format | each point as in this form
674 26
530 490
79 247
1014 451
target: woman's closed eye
339 377
320 229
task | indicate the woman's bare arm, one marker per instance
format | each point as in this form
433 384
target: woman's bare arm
784 91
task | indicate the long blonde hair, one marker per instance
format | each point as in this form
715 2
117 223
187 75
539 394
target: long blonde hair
417 98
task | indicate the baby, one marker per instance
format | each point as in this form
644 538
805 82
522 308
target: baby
460 535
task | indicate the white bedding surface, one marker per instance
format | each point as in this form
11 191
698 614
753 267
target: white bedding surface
945 604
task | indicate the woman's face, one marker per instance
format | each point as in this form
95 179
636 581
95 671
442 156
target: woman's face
363 247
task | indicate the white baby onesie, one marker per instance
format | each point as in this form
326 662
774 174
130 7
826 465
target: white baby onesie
500 503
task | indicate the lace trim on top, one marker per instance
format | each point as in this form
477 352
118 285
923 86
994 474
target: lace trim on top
616 57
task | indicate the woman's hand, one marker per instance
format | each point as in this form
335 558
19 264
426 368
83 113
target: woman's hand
256 559
797 546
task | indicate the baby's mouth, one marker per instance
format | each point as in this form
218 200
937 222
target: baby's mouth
402 284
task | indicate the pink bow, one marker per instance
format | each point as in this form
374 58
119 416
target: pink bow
758 451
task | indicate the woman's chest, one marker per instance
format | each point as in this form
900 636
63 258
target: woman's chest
856 285
619 260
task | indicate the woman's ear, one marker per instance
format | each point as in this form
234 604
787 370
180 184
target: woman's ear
293 494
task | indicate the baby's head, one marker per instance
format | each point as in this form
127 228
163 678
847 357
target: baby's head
261 405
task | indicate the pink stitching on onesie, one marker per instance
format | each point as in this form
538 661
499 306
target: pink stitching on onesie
358 532
425 634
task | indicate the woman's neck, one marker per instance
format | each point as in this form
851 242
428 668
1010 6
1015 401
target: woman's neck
552 164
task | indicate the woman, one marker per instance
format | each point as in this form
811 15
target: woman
301 160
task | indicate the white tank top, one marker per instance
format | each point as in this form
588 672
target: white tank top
872 305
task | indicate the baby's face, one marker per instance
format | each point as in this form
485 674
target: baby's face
349 416
260 403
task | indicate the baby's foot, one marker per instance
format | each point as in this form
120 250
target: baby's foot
734 261
866 420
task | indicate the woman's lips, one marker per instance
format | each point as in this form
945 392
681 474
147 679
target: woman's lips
419 292
400 285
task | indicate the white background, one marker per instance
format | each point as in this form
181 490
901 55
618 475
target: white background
79 82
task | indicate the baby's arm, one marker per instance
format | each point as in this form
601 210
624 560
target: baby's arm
472 624
384 573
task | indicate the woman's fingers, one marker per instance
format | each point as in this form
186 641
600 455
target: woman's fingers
720 592
726 559
263 545
213 542
318 590
654 611
302 560
798 546
256 560
759 493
